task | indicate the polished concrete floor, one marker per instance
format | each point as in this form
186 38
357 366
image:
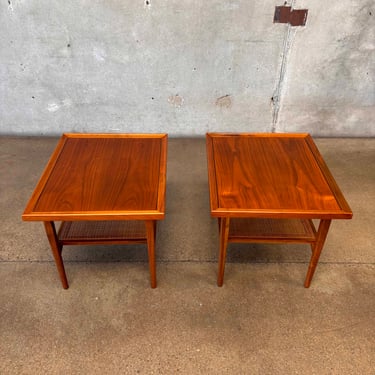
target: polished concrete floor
262 321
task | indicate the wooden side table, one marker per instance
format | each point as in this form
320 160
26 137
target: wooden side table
268 188
105 189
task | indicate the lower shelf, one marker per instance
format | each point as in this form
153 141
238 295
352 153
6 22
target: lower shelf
271 230
102 232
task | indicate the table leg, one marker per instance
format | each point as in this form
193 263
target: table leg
317 249
56 251
151 237
224 232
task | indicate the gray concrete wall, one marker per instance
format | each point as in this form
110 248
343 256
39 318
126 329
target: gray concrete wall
186 67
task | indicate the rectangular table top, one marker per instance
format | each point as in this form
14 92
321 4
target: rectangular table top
103 177
271 175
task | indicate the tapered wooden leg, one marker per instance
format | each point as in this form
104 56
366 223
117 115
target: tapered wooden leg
224 231
317 249
151 237
56 251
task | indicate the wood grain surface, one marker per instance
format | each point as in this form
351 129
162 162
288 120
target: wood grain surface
271 175
102 177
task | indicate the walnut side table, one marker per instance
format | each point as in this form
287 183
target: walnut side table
269 188
105 189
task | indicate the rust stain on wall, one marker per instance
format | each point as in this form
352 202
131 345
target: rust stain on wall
285 14
176 100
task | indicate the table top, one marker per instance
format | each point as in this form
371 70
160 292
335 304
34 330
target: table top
271 176
102 177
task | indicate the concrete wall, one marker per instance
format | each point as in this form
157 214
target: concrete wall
186 67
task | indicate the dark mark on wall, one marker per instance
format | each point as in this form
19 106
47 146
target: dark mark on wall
68 45
224 101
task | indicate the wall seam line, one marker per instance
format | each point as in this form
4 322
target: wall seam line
278 93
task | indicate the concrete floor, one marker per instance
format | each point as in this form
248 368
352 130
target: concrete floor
262 321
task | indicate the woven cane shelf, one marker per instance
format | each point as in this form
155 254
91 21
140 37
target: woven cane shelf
102 232
271 230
